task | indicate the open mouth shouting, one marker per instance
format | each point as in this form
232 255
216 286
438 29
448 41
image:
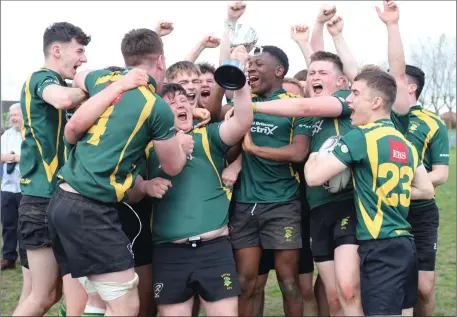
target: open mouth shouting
191 96
182 115
253 79
205 93
317 88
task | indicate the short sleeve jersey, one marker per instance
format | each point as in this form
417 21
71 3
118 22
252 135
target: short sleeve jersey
430 137
198 201
383 165
262 180
103 164
42 151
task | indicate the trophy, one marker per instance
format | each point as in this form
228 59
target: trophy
230 75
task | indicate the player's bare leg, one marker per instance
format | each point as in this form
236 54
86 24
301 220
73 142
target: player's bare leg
259 294
327 274
75 296
223 307
181 309
247 266
426 298
119 292
286 265
26 284
145 292
347 273
45 274
321 297
307 294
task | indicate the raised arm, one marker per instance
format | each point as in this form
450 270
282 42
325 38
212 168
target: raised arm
300 34
62 98
232 130
396 55
208 41
91 110
326 13
164 28
350 66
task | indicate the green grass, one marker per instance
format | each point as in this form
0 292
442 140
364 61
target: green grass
11 280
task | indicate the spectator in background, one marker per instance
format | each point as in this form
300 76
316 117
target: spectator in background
1 163
10 189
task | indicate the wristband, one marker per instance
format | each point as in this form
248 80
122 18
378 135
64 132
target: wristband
254 107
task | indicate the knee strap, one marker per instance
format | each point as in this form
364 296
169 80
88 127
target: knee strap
113 290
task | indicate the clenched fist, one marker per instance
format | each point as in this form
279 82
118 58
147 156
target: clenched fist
236 10
164 28
156 187
326 12
335 26
299 33
210 41
186 141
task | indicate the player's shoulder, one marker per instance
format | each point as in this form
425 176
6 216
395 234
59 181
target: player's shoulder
286 95
45 74
342 94
427 115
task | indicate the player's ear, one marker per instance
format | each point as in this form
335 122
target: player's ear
340 81
412 88
161 63
377 102
56 50
279 71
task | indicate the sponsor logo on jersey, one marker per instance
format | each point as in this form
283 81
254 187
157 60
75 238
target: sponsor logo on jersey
317 127
398 152
264 128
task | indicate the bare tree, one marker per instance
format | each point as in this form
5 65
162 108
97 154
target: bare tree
436 57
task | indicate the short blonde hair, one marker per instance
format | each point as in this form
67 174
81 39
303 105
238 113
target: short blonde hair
179 67
289 80
370 68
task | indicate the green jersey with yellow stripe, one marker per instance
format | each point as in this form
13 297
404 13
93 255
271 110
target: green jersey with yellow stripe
197 202
262 180
320 129
383 165
430 137
104 163
43 148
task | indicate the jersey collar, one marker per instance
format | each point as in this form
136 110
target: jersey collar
273 96
416 107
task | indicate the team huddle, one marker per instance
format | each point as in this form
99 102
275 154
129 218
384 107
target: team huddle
153 190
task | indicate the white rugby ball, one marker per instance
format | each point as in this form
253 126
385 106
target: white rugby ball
340 181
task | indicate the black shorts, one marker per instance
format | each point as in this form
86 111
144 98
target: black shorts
424 222
87 237
306 263
142 246
33 222
23 257
332 225
388 275
181 271
275 226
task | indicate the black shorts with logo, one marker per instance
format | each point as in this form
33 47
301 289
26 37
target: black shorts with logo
33 222
87 237
306 263
332 225
388 275
142 246
275 226
424 222
181 271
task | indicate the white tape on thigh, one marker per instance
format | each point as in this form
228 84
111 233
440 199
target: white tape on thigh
112 290
87 285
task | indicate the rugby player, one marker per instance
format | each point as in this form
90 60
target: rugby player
44 98
267 193
192 253
306 264
429 136
112 166
387 173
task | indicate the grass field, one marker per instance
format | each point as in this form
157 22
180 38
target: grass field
11 280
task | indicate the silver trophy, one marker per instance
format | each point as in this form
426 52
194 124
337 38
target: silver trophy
230 75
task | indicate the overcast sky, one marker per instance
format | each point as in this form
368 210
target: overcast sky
23 24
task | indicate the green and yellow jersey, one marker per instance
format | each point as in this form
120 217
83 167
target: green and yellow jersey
262 180
103 164
319 130
43 148
429 136
383 165
198 201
